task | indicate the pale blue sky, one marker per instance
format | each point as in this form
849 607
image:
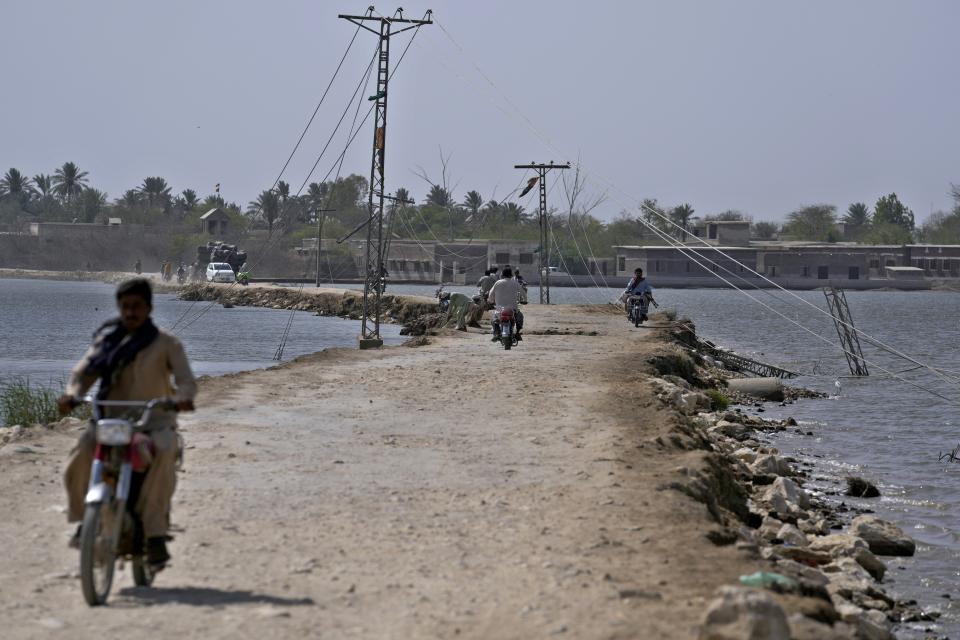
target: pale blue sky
759 106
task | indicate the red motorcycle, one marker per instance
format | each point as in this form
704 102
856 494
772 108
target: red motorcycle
111 530
505 327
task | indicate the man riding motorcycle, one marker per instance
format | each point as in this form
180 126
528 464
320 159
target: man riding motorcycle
505 294
133 360
486 283
637 286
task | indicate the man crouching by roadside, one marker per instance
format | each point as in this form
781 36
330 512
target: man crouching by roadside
133 360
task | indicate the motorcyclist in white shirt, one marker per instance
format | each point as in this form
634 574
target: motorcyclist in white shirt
505 294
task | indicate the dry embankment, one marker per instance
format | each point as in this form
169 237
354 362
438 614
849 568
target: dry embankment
577 486
345 303
79 275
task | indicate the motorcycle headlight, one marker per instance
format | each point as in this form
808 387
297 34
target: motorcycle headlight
114 432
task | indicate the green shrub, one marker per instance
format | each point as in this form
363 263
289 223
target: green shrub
718 401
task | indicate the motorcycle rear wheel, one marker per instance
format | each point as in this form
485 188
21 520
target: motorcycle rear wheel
507 342
96 562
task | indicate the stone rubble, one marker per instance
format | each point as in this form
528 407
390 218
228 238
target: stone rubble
827 577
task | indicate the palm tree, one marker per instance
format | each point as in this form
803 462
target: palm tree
213 201
439 196
316 194
858 215
473 201
491 210
513 212
43 184
267 206
402 194
283 190
91 203
156 191
15 185
680 215
131 199
190 198
69 181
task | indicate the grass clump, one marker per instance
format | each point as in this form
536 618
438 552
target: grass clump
718 401
24 403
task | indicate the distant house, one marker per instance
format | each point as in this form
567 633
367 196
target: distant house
215 222
729 233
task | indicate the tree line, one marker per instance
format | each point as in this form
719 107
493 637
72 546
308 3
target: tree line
577 233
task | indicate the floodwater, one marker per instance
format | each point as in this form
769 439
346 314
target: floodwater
888 427
47 325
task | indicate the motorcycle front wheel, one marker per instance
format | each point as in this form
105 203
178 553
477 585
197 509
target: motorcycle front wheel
143 574
96 556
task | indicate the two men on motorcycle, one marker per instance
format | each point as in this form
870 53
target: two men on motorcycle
638 286
133 360
505 294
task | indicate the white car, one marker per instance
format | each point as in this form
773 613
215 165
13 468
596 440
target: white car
220 272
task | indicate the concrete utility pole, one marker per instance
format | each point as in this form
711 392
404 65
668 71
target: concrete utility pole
544 253
320 218
373 263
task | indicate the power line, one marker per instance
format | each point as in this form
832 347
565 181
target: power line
296 146
690 254
875 341
271 241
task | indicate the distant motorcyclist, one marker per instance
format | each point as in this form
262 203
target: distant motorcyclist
181 274
137 266
486 283
505 294
637 286
243 275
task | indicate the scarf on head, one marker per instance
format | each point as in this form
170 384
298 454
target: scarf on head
115 349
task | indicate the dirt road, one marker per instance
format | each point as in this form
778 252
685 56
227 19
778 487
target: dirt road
450 490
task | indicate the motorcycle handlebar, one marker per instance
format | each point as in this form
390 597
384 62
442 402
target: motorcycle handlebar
166 404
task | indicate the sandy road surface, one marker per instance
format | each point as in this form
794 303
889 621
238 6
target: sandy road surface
451 490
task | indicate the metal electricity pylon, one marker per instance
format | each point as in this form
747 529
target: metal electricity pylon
375 274
545 239
837 302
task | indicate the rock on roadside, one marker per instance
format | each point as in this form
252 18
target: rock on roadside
844 545
744 613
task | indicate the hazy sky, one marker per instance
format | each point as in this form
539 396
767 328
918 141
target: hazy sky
760 106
